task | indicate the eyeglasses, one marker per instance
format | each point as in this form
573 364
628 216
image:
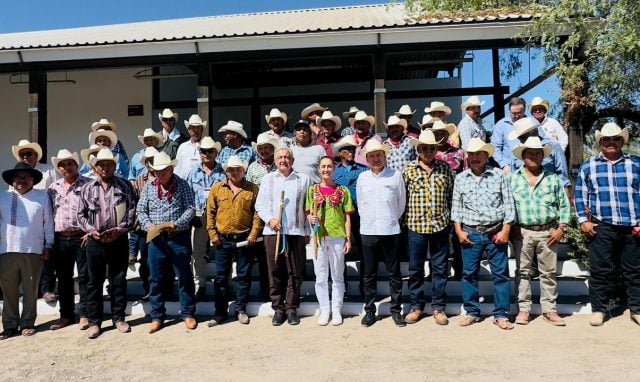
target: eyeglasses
207 151
539 110
26 154
610 139
167 119
426 148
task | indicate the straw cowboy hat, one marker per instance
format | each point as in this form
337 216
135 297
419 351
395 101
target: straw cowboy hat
195 120
234 127
104 133
275 113
234 161
25 144
394 120
208 143
9 174
65 154
537 101
328 116
344 142
531 143
86 154
373 145
362 116
149 152
310 109
426 138
477 144
428 120
151 133
471 101
437 106
167 113
351 112
264 139
162 160
522 126
102 123
104 155
404 110
448 127
611 129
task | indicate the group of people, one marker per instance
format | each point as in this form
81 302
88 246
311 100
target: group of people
431 191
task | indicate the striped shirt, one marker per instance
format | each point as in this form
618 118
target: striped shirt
542 203
610 190
201 183
429 197
65 202
102 209
155 210
402 154
482 200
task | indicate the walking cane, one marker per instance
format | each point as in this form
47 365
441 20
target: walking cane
279 233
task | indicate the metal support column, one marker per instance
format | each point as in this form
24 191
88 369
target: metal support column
203 94
38 110
379 92
498 97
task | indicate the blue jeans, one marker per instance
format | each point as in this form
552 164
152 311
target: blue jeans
138 242
165 252
499 263
419 246
224 259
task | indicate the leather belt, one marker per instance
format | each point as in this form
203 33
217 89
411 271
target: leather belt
540 227
234 237
485 228
70 233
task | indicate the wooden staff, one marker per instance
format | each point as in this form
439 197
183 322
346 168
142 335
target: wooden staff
279 233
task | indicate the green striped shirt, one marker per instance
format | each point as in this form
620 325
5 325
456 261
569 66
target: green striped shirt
542 203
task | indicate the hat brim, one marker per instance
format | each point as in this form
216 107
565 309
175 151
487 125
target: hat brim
624 133
385 148
282 116
174 116
9 174
216 146
240 132
96 126
335 120
448 127
161 167
104 133
74 156
416 142
86 153
310 109
243 165
515 135
157 136
189 125
95 160
487 147
445 109
519 150
371 119
33 146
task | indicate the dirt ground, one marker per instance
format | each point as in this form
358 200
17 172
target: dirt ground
308 352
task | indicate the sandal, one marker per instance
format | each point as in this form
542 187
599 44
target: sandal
503 323
7 333
28 332
468 320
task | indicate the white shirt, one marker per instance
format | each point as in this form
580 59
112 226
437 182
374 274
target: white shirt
268 202
306 160
49 175
555 132
381 202
188 156
32 228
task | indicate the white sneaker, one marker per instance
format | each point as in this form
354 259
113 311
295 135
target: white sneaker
323 319
336 319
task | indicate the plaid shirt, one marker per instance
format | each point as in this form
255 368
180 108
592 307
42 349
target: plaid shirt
154 210
611 191
403 154
542 203
246 153
65 204
257 170
483 202
429 203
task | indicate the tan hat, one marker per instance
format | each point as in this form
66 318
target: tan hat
477 144
374 145
346 141
328 116
522 126
195 120
102 155
104 133
162 160
537 101
275 113
151 133
65 154
86 154
102 123
234 127
167 113
428 120
264 139
310 109
149 152
394 120
362 116
531 143
471 101
351 112
404 110
234 161
25 144
611 129
438 106
426 138
209 143
448 127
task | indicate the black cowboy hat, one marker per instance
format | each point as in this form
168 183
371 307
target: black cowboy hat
9 174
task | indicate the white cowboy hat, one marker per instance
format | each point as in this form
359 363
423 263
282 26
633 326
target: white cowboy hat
428 120
102 123
351 112
86 154
264 139
362 116
471 101
404 110
151 133
373 145
522 126
209 143
310 109
448 127
25 144
426 138
65 154
234 161
195 120
149 152
611 129
531 143
395 121
167 113
537 101
328 116
234 127
162 160
437 106
102 155
104 133
477 144
275 113
346 141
